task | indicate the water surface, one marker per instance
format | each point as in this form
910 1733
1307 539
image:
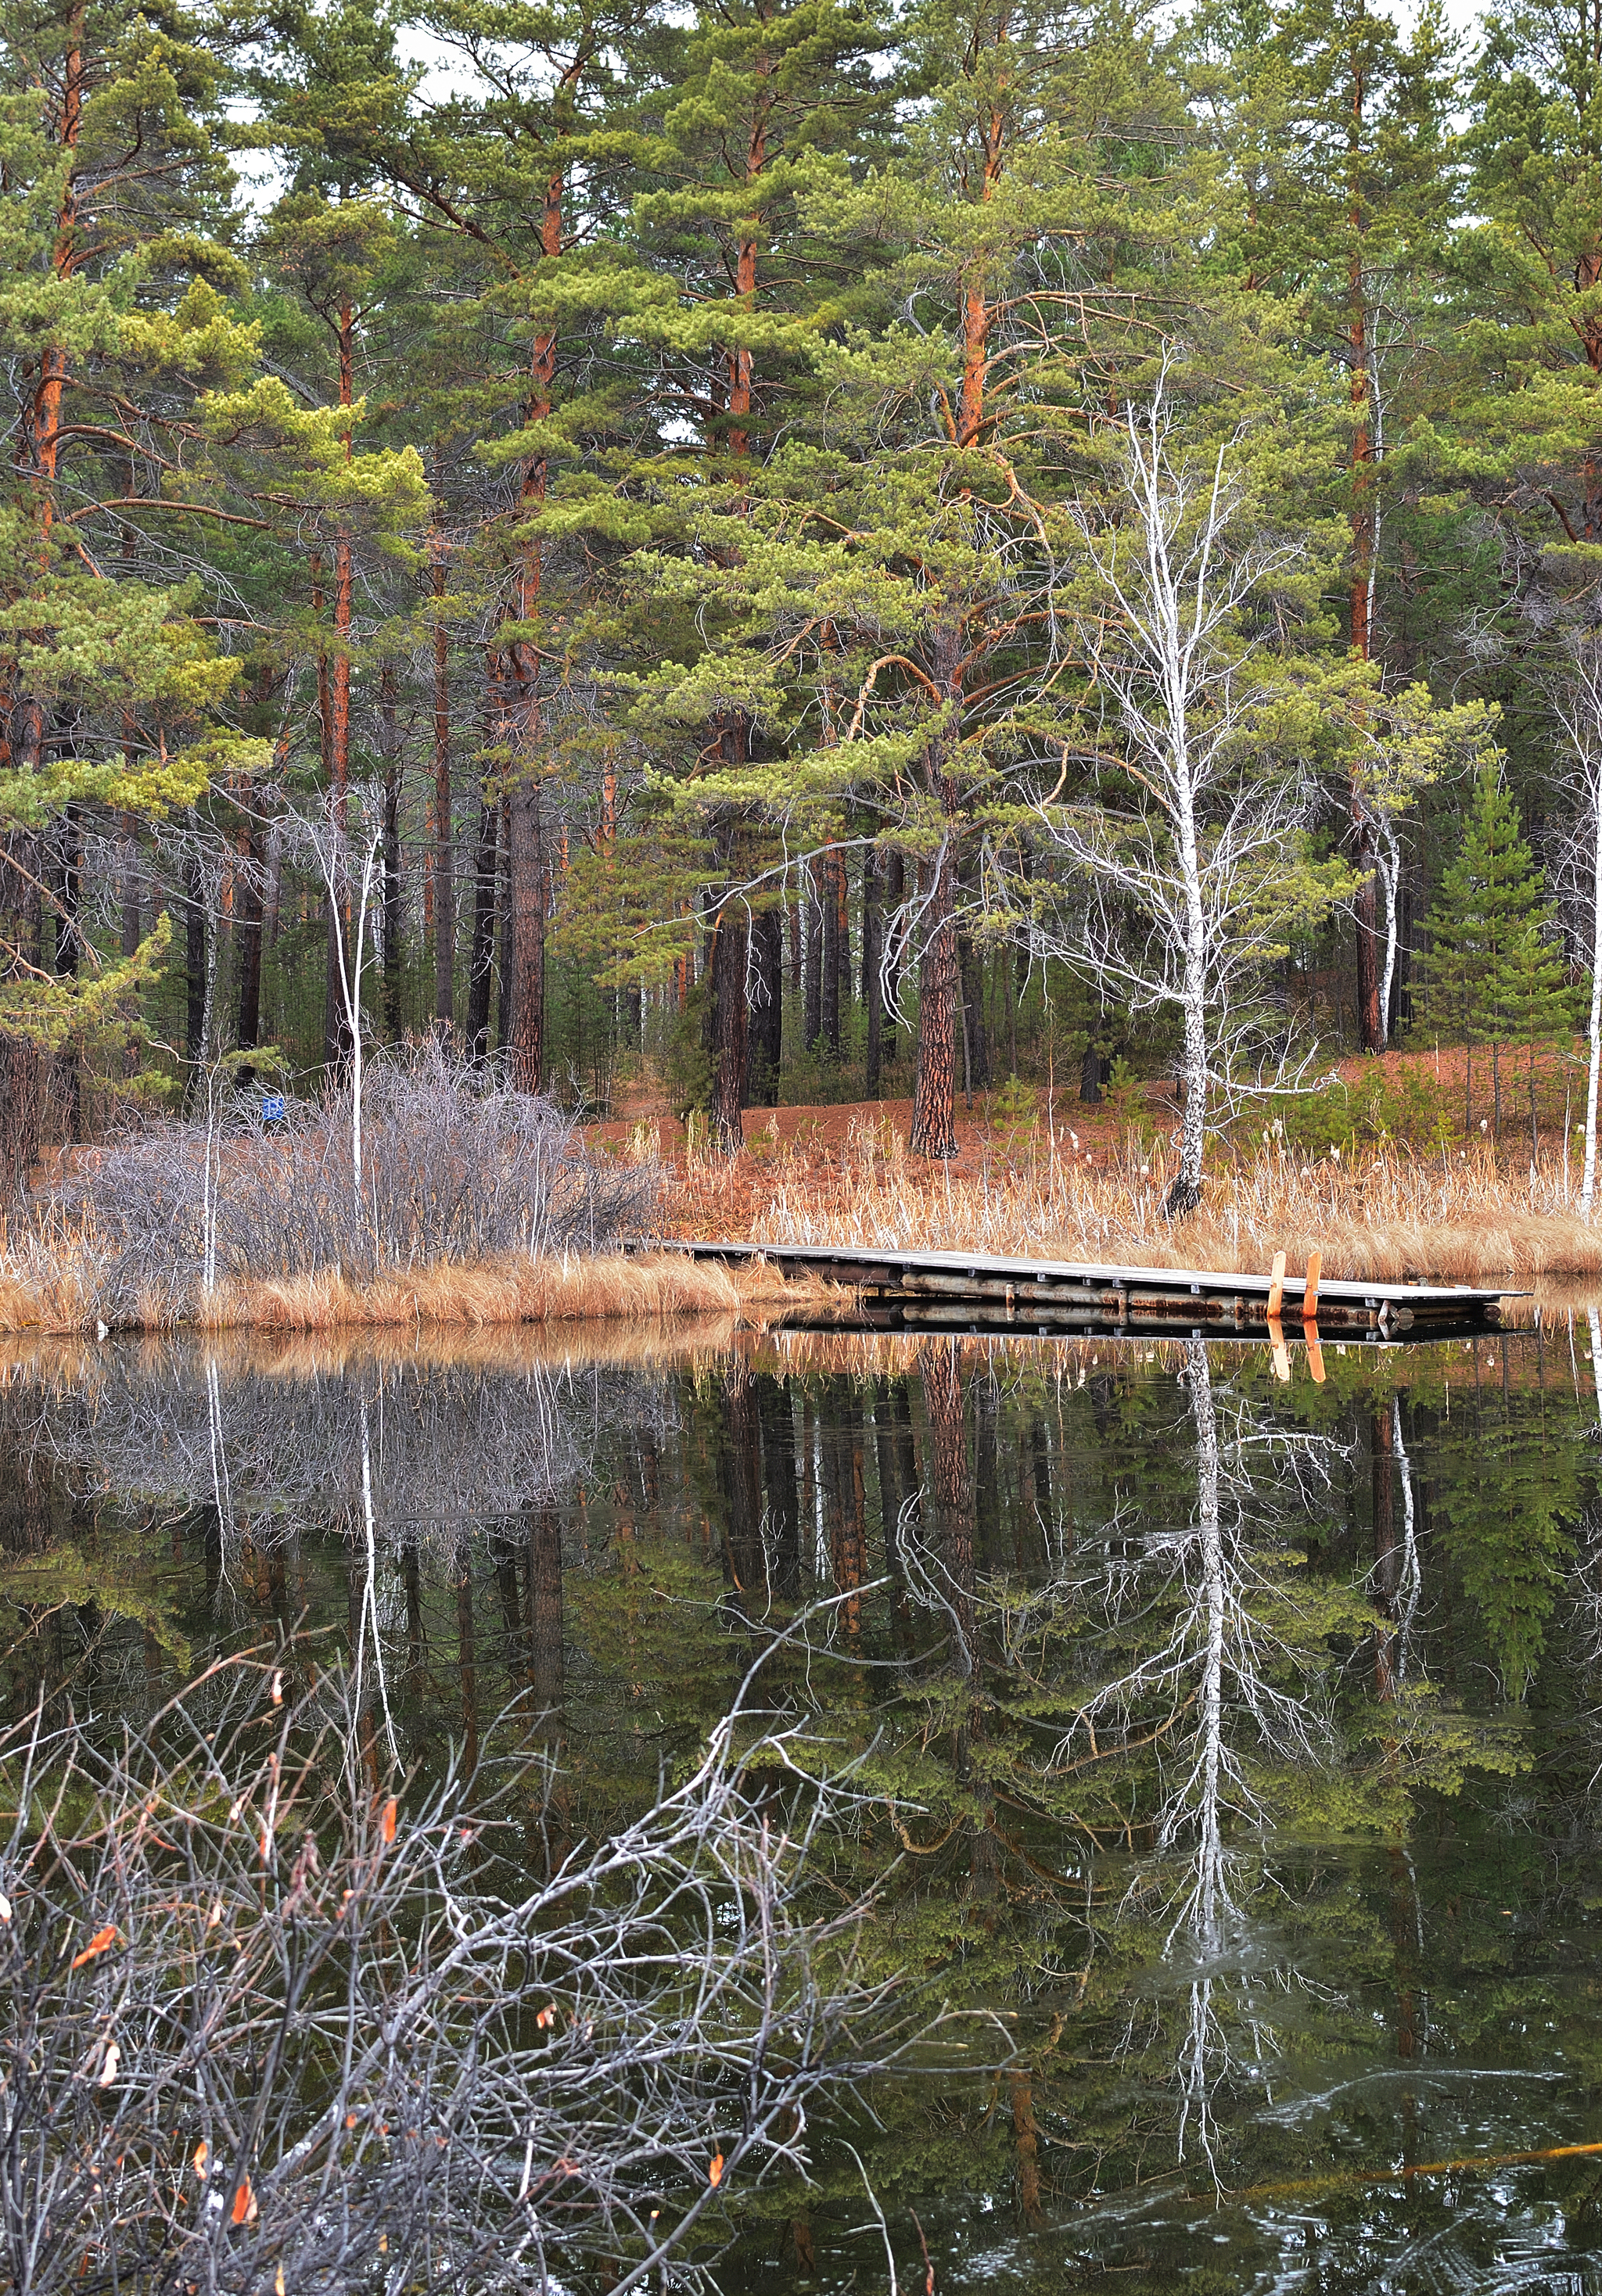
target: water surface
1228 1749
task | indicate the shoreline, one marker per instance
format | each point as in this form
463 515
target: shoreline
1384 1215
646 1288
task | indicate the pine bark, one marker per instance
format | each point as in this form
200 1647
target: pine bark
730 957
812 994
934 1096
831 966
526 913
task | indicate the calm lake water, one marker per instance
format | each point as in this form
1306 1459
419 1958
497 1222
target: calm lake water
1231 1748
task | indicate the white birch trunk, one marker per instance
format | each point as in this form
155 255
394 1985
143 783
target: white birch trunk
1588 1186
1390 876
1185 1193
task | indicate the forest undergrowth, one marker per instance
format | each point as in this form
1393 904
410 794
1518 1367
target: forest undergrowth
455 1203
450 1201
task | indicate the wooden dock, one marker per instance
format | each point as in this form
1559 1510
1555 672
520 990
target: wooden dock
964 1290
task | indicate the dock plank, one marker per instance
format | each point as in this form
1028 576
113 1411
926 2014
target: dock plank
987 1278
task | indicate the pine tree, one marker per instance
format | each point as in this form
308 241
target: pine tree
1533 263
1540 998
114 698
1491 967
1356 230
757 106
895 562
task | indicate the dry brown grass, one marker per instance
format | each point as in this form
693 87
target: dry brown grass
48 1285
1385 1216
46 1293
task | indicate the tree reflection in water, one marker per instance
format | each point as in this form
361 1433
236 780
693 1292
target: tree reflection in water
1196 1722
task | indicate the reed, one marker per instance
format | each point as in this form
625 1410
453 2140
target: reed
516 1289
1385 1215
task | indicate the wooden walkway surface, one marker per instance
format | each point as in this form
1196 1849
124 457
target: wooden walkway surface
905 1291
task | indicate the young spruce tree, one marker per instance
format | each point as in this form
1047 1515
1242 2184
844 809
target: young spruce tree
1494 971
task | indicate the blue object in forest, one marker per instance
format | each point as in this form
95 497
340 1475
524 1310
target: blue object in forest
272 1108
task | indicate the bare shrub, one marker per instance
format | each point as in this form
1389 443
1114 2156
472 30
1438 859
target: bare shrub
452 1167
411 1447
268 2022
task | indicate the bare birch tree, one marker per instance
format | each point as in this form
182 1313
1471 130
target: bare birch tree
1192 883
1575 687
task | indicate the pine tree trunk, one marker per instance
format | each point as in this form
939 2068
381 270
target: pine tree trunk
526 897
829 998
1369 1012
22 1109
731 949
812 1008
1096 1068
934 1094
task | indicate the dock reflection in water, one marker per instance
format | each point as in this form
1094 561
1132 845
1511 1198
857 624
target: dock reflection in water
1232 1745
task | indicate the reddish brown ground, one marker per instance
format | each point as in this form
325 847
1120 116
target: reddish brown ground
824 1128
804 1147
